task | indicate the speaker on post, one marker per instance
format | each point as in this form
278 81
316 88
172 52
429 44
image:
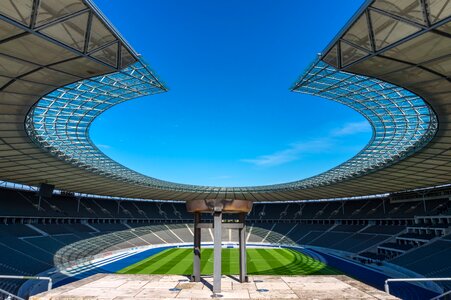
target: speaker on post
46 190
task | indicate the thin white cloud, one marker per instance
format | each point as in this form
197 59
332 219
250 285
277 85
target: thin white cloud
295 151
103 146
352 128
292 153
223 177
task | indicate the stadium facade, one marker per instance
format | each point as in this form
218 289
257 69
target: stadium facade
63 64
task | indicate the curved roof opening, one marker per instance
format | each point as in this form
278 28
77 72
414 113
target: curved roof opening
293 140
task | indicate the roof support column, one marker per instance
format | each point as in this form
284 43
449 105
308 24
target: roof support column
197 249
217 223
242 242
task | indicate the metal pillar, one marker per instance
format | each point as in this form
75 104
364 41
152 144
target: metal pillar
197 240
217 251
218 207
242 242
39 203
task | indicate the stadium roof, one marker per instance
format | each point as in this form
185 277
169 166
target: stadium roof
63 64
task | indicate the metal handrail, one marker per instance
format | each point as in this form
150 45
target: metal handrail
49 286
10 295
387 289
441 295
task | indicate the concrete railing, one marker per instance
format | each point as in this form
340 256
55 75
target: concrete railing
387 289
49 286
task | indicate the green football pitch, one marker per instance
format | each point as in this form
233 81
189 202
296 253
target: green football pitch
260 261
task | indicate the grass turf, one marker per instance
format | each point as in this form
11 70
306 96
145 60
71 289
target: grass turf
179 261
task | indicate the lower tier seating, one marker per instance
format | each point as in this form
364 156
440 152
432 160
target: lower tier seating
29 250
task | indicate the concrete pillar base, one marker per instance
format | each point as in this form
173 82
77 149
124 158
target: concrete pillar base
218 207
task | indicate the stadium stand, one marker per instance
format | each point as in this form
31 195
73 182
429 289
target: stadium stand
390 63
68 230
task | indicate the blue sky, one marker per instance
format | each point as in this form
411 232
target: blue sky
229 118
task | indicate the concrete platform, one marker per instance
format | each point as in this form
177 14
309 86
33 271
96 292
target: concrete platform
121 287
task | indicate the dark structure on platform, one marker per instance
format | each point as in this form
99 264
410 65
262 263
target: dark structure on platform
217 208
45 191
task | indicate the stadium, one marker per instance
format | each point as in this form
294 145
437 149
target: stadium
76 223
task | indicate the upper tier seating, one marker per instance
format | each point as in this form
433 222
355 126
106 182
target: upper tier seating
25 203
388 230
